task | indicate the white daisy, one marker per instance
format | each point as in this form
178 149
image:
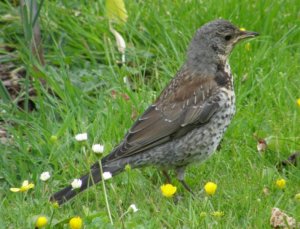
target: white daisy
45 176
76 183
97 148
81 137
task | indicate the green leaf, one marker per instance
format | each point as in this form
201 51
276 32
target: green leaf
4 93
116 11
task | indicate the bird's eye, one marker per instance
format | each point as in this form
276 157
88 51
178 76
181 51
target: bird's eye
227 37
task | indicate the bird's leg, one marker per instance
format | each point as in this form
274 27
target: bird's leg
185 185
168 178
180 176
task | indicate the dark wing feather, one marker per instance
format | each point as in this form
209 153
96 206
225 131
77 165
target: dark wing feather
176 112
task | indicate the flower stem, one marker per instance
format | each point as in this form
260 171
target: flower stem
105 195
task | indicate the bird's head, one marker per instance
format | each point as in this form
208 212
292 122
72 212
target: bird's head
219 37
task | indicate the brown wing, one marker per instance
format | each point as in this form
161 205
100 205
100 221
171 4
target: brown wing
182 106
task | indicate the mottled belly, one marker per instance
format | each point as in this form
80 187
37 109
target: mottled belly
200 143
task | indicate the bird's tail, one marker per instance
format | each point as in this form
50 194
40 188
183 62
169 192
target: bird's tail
88 180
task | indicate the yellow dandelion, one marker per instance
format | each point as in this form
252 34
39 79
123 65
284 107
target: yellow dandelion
298 102
217 214
297 196
75 223
41 222
25 187
210 188
280 183
242 29
168 190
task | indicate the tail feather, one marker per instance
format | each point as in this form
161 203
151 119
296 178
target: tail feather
88 180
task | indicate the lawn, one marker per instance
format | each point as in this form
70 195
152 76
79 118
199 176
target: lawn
85 92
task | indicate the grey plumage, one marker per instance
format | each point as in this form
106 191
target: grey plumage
187 121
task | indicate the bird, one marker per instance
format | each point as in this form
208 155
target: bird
187 121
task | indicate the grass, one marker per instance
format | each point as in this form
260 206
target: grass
82 70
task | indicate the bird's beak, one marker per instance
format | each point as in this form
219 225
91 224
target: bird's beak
247 34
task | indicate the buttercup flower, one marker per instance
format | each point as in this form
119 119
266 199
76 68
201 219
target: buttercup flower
210 188
168 190
81 137
97 148
298 102
41 222
45 176
133 207
25 187
76 183
106 175
280 183
75 223
217 214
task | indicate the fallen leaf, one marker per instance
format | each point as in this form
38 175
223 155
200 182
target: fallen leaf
281 220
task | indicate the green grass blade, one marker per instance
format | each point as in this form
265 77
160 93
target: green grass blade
4 93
